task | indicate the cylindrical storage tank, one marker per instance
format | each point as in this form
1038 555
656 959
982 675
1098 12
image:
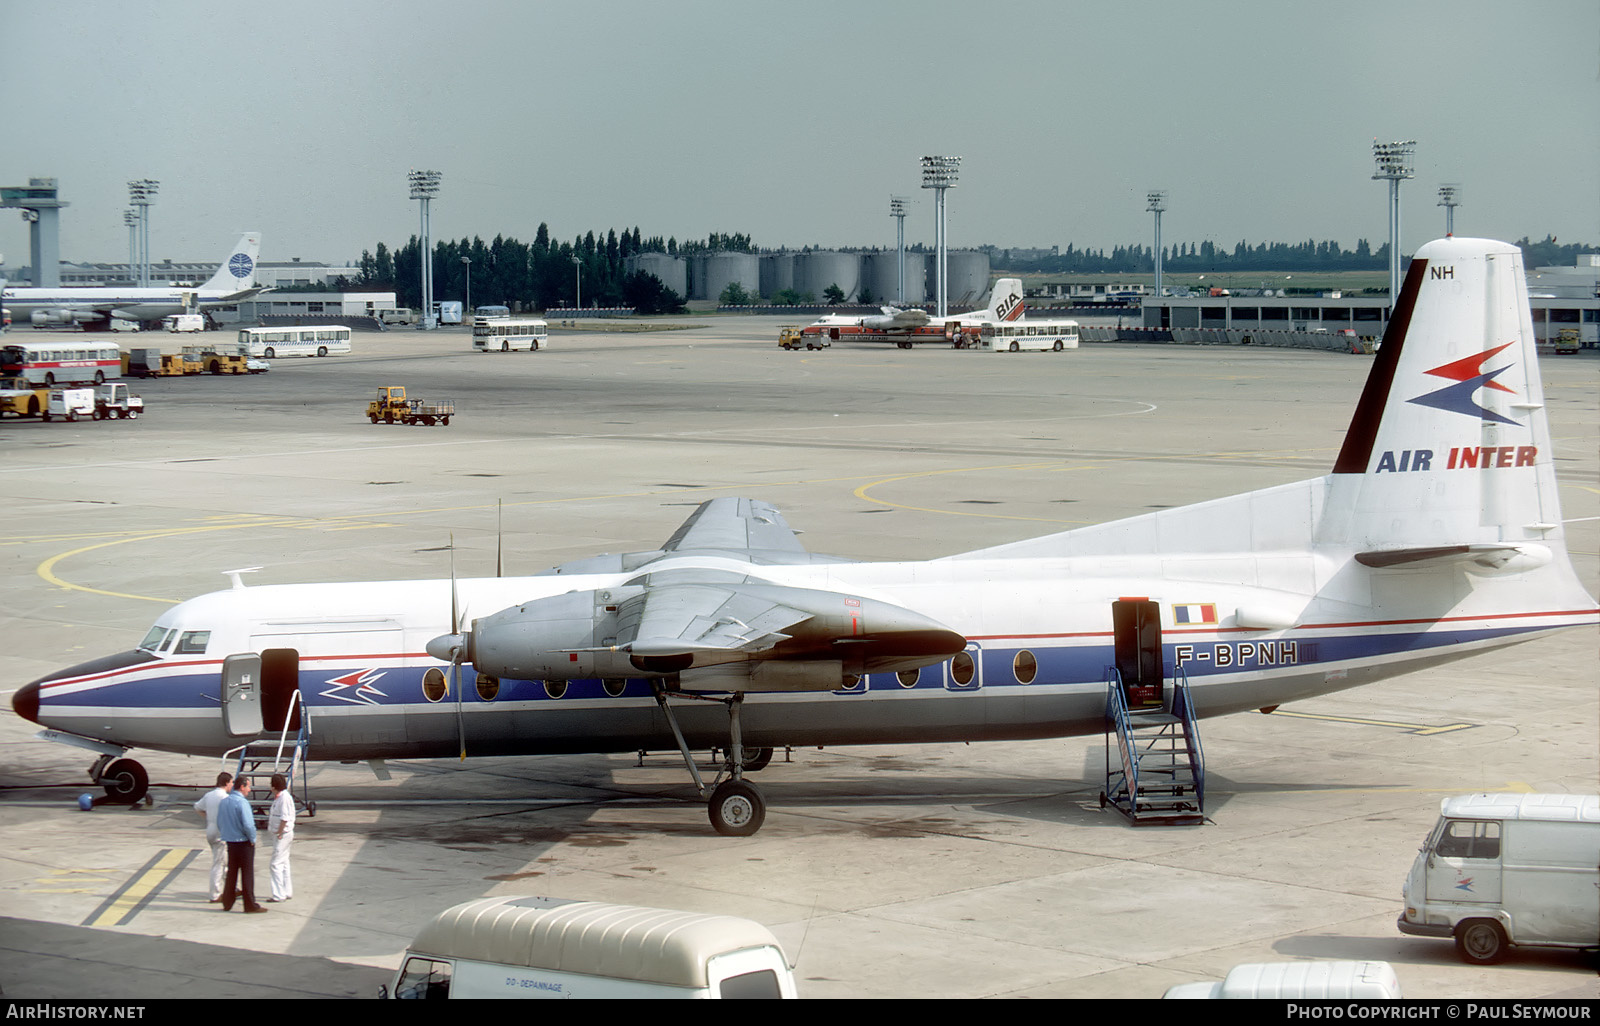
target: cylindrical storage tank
777 273
815 271
969 277
881 276
722 269
672 271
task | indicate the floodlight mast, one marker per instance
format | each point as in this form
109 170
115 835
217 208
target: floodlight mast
1393 161
897 210
1449 199
1158 203
141 194
939 174
425 186
131 219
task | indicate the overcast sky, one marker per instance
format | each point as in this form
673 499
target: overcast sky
795 122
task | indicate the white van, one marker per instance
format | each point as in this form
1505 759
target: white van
1374 981
399 315
184 322
530 947
1503 869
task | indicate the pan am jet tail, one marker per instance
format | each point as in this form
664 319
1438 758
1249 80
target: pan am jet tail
1437 535
237 270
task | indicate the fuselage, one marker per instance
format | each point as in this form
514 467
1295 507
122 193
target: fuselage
142 304
1040 652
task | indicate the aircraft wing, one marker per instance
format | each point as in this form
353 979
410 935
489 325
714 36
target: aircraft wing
745 527
704 619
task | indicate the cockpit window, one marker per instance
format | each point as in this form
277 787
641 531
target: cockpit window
193 642
158 639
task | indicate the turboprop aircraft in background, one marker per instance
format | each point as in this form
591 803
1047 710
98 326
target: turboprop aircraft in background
905 327
1437 535
92 305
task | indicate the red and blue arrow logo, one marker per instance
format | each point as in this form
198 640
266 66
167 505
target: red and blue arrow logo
1469 376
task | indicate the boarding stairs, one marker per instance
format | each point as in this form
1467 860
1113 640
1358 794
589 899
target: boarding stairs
280 751
1158 774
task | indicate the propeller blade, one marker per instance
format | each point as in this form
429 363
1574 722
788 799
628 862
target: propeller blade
499 541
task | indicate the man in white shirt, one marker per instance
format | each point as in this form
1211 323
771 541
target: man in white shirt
207 807
280 824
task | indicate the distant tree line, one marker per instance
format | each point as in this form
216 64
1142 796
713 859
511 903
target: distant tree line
1208 257
535 276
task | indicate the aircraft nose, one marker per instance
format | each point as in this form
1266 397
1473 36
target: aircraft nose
26 702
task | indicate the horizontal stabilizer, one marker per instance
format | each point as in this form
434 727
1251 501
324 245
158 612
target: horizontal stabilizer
1480 558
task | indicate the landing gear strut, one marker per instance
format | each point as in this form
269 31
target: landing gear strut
125 780
736 807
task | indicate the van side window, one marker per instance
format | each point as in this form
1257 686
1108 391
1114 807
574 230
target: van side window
1469 839
423 979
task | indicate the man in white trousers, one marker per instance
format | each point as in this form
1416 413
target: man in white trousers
207 807
280 824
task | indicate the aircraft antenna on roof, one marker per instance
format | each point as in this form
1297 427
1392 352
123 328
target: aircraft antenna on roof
237 576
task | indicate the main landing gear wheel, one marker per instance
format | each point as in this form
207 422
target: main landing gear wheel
737 809
125 782
757 759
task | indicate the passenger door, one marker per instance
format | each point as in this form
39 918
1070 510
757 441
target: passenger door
241 695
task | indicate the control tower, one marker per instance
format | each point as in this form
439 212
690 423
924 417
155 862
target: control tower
42 210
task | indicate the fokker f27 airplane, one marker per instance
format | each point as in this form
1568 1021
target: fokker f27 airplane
906 327
1437 535
90 305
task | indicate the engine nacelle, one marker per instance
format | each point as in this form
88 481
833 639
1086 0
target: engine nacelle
589 634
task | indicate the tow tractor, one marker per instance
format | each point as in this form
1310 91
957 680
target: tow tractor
392 405
113 401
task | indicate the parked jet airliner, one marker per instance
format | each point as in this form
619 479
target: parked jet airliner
1437 535
89 305
905 327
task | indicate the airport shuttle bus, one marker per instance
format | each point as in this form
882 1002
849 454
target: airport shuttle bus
1030 336
312 340
44 364
509 334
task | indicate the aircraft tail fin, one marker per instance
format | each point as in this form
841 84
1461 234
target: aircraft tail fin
1449 444
1005 300
238 269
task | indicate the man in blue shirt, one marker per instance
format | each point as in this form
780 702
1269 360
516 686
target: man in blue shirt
236 822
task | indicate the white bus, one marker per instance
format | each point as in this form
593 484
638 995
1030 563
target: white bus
59 362
1027 335
507 335
313 340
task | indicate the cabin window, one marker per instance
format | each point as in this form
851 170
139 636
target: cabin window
434 685
192 643
962 668
555 688
488 687
615 686
908 678
1025 667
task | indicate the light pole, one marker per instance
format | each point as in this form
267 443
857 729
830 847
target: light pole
1158 203
131 219
1449 199
939 174
425 186
577 273
468 261
1394 164
897 210
142 193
